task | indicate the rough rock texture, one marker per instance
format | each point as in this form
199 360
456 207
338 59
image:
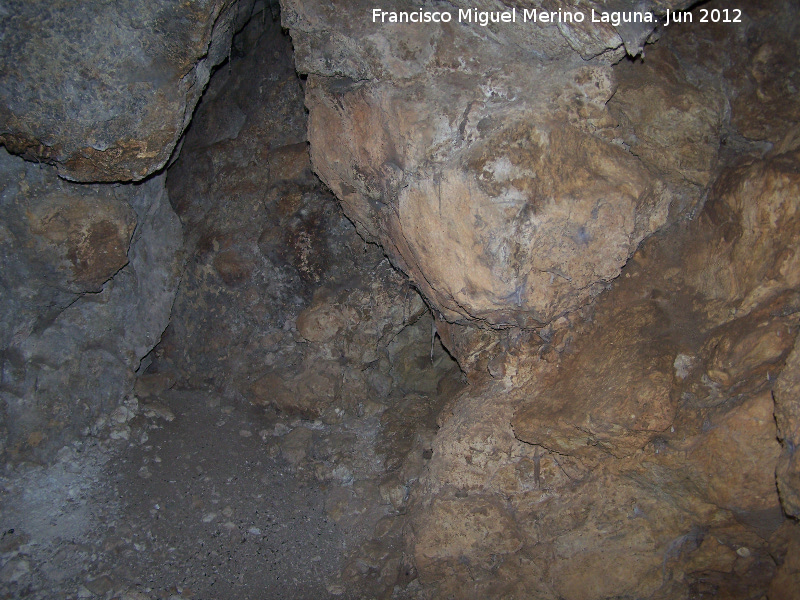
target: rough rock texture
105 90
485 159
102 92
643 444
787 415
609 247
281 303
631 433
285 310
88 276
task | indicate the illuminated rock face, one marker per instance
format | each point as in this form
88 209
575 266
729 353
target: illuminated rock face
640 218
490 164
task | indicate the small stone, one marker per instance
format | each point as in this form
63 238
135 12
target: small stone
335 589
227 512
14 570
683 365
100 586
145 473
295 445
120 433
393 492
209 517
743 552
157 410
84 593
280 429
245 433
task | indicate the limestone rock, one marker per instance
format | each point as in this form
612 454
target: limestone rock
509 203
104 91
615 394
753 204
745 434
476 531
784 585
88 279
675 126
655 422
787 416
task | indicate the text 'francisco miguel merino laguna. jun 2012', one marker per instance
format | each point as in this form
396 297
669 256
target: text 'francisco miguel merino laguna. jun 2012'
533 15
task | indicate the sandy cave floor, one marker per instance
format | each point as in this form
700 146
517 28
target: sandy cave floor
204 500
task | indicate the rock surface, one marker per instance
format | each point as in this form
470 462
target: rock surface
635 436
655 423
489 166
608 247
105 90
281 303
787 415
88 278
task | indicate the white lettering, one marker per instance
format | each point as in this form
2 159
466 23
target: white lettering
420 16
616 18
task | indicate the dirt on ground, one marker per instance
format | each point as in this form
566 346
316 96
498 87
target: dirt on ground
192 497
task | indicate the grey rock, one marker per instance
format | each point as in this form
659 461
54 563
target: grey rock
88 280
104 90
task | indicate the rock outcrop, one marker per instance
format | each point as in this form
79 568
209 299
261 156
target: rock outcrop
646 446
615 245
486 160
282 304
600 223
105 90
88 277
95 92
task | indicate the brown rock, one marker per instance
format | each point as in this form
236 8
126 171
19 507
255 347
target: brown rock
787 416
457 535
615 393
320 322
786 582
753 253
505 203
675 126
286 396
744 480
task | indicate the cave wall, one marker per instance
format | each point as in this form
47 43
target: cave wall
93 92
607 245
282 304
105 90
489 165
89 274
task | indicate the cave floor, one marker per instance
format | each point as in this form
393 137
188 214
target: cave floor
195 498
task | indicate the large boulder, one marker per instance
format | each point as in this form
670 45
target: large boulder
105 90
486 159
